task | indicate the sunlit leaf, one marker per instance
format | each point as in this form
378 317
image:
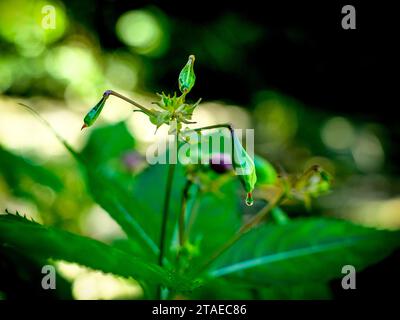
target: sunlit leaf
18 168
47 242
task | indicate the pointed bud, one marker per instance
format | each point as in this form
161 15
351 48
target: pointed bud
187 77
244 167
94 113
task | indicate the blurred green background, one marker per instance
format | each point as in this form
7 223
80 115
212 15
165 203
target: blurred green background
312 92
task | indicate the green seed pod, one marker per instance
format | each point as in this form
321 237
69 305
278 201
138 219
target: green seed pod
187 77
244 167
266 173
94 113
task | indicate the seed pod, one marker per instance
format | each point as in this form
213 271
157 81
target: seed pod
266 173
94 113
244 167
187 77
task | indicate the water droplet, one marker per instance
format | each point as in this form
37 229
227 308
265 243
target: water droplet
249 199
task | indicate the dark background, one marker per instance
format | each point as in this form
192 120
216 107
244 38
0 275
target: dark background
302 51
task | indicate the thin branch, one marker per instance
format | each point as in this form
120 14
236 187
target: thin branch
165 214
181 223
215 126
143 109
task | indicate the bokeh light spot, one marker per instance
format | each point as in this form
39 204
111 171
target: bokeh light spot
21 23
338 133
141 30
122 72
276 120
71 63
368 152
89 284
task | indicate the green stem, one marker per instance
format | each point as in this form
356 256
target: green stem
168 189
193 210
165 214
258 218
215 126
143 109
181 223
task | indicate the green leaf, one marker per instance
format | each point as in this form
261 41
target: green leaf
124 205
132 206
18 168
226 289
148 189
216 217
187 77
116 192
107 144
137 206
301 291
47 242
160 117
121 203
108 193
304 250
